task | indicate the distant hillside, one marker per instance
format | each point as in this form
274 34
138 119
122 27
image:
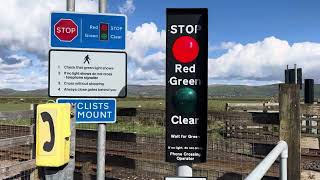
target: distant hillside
146 90
218 90
242 90
159 91
12 92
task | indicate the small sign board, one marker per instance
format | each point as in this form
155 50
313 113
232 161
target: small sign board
93 31
185 178
93 110
75 73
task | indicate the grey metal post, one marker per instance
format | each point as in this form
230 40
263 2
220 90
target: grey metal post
184 169
103 6
101 145
101 151
65 172
71 5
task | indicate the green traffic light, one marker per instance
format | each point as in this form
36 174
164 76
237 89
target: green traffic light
104 36
185 100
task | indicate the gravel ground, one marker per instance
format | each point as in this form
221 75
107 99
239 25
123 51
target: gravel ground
125 174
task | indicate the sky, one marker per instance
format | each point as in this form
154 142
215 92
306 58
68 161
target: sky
250 41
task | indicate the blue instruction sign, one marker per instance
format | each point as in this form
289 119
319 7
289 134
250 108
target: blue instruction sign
93 110
91 31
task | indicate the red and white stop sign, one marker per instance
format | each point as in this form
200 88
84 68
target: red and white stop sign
66 30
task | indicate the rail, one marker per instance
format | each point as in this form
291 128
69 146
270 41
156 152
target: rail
282 150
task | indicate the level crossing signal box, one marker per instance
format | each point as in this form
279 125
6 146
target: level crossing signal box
53 134
186 85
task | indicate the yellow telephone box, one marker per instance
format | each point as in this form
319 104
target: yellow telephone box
53 134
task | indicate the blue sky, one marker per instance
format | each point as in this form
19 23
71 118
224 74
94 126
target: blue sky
250 41
242 21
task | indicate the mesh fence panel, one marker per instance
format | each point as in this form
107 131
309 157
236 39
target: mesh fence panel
16 142
237 142
136 146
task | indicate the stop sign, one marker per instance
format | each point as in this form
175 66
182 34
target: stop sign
66 30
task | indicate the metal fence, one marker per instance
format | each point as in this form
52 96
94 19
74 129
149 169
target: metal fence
237 142
16 145
136 146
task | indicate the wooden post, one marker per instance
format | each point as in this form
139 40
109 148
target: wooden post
33 107
290 126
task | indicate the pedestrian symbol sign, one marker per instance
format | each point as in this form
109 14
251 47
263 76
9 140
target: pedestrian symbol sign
74 73
86 59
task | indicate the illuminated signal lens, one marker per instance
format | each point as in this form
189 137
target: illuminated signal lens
185 100
185 49
104 27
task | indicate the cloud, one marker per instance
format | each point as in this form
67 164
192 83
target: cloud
12 64
24 48
265 61
25 25
146 52
127 8
258 63
24 40
22 82
221 46
13 76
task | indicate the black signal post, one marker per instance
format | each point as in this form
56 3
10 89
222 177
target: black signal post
186 85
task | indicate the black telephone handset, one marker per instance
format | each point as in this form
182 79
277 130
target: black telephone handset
48 145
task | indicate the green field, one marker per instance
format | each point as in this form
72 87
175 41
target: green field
14 104
14 107
122 125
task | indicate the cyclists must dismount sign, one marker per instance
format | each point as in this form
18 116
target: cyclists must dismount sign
93 110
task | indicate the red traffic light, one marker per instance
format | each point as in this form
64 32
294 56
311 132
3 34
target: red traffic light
103 27
185 49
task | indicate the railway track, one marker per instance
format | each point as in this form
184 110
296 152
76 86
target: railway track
133 151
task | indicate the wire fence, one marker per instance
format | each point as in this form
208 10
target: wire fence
16 145
137 143
237 142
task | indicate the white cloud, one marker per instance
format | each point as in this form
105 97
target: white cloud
13 64
145 38
146 52
127 8
265 61
258 63
22 82
11 68
25 24
221 46
25 30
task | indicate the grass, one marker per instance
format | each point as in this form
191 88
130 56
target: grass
17 122
217 104
129 126
141 103
14 106
123 125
